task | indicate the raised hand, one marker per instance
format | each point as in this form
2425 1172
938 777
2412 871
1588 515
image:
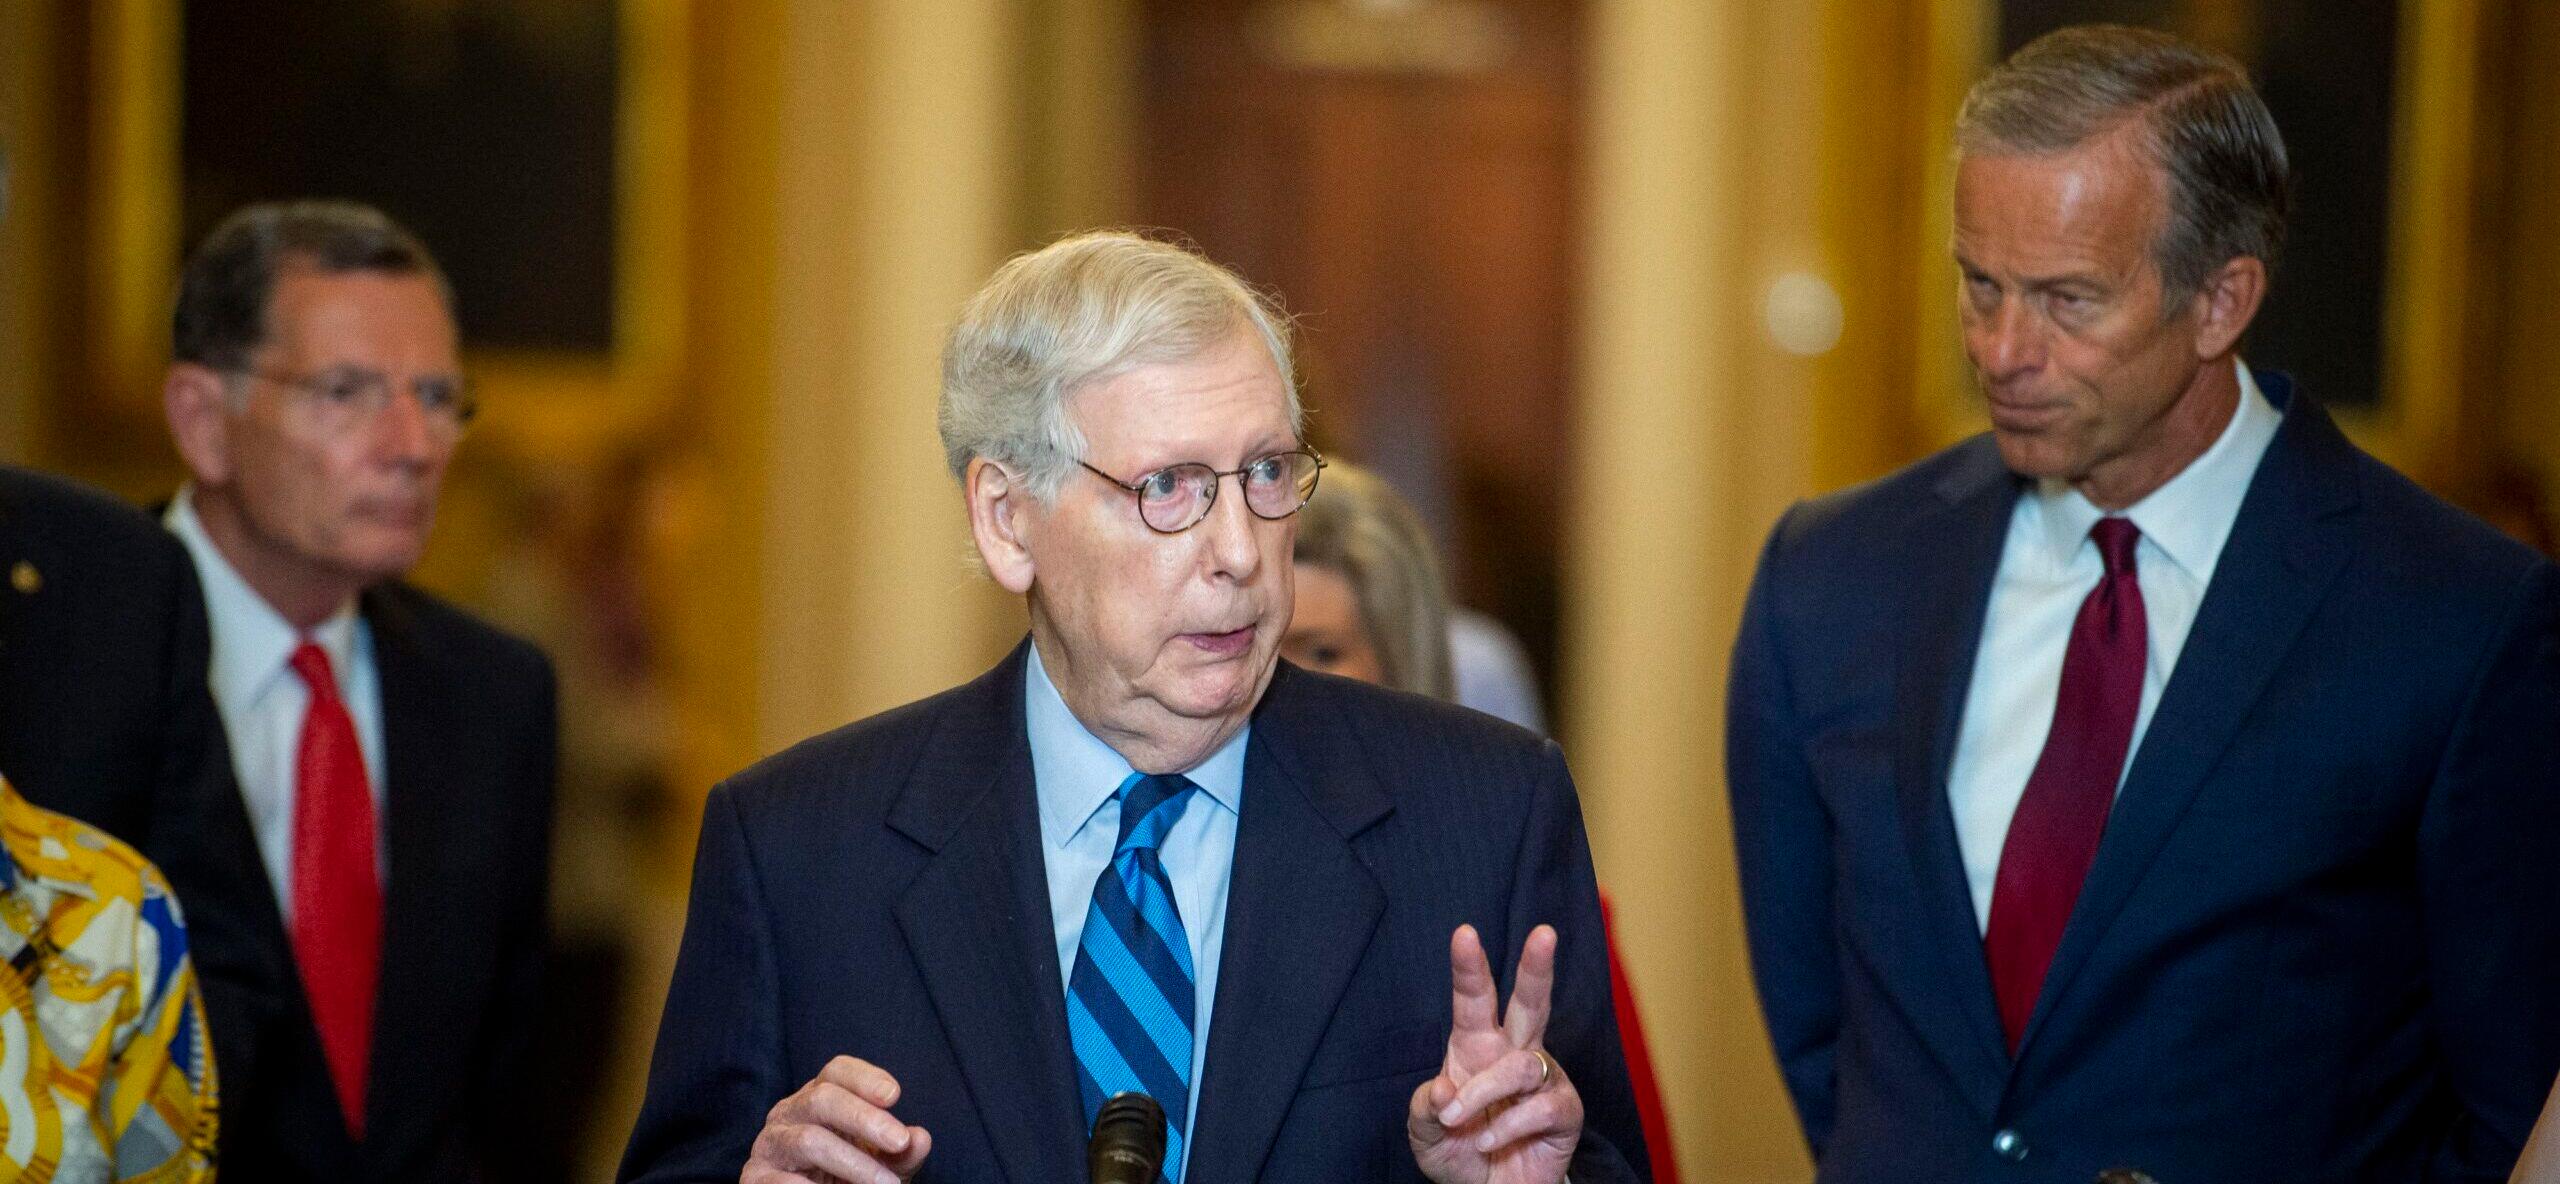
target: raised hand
838 1128
1501 1111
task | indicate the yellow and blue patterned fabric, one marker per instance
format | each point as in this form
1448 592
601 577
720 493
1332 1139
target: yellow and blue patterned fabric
105 1070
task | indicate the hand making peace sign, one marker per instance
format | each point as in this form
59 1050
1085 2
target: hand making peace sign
1501 1111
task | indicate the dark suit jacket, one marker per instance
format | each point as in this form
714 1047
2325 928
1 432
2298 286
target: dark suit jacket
105 716
468 738
2319 939
878 891
104 713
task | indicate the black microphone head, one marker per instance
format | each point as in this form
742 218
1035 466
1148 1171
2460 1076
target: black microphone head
1128 1141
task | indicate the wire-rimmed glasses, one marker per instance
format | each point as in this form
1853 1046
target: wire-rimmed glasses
1175 498
347 399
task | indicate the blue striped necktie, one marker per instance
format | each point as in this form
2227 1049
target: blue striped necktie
1129 1001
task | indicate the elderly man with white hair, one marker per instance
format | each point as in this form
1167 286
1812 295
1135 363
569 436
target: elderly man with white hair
1142 854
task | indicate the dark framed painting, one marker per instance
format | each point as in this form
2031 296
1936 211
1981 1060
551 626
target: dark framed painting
488 127
540 150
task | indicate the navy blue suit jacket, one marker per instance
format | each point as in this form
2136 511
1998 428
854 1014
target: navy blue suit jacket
877 891
2321 940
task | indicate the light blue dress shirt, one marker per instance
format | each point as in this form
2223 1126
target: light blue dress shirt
1078 779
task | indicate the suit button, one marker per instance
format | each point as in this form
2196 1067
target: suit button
2009 1145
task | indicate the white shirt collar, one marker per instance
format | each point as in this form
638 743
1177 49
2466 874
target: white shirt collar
252 642
1074 772
2189 517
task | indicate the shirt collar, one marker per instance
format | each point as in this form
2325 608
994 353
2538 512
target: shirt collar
252 642
2189 517
1074 772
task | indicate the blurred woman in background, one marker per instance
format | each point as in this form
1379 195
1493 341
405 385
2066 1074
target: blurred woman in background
1371 602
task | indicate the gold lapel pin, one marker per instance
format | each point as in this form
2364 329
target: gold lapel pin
25 578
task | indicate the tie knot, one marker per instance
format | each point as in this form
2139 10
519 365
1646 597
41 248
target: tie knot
312 663
1149 806
2115 538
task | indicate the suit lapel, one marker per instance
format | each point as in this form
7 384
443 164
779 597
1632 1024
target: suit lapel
1956 553
426 834
2292 536
266 1047
1301 909
977 923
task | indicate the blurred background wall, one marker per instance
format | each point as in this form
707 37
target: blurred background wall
1602 285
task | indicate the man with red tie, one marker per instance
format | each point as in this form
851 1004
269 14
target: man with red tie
2157 783
394 756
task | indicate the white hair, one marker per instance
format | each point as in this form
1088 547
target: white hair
1081 310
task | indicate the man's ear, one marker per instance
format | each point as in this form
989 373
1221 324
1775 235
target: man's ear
1000 508
2227 303
198 404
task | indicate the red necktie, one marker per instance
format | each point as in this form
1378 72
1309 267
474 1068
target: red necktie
337 894
2053 838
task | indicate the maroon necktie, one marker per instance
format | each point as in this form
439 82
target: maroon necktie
2053 837
337 891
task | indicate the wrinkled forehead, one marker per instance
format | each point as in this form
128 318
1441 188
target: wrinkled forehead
1221 406
2097 204
367 317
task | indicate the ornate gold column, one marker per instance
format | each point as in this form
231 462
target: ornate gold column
1693 430
2432 319
895 199
1080 115
858 168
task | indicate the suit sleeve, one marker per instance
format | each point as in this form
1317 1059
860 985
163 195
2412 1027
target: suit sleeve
1553 884
1782 840
717 1069
2489 878
506 1090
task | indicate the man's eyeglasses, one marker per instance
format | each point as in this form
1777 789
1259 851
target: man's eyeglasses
1175 498
347 400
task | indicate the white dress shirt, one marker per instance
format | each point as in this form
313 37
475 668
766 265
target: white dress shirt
1078 779
2048 565
262 700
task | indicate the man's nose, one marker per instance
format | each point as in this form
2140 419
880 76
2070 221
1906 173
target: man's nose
405 430
1230 527
2011 341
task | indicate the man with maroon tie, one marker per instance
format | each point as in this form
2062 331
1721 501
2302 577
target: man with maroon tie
2156 783
394 755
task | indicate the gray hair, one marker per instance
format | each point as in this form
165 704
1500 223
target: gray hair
1082 310
2209 133
221 313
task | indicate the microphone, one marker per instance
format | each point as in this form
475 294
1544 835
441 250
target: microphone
1128 1141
